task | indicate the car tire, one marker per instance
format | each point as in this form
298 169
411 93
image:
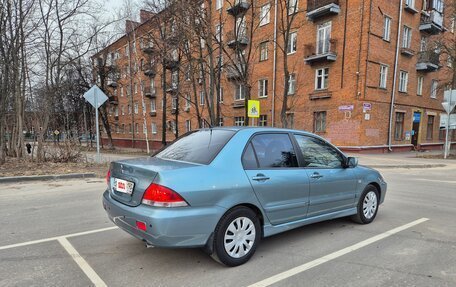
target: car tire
367 206
236 237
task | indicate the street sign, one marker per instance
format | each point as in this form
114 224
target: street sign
346 108
449 102
367 107
253 109
95 97
444 121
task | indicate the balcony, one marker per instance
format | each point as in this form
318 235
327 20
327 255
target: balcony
321 8
153 113
234 73
171 88
431 23
322 51
149 70
112 83
428 61
407 52
238 8
113 100
171 63
237 42
149 92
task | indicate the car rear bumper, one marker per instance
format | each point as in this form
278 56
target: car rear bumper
166 227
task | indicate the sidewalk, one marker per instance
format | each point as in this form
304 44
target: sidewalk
403 160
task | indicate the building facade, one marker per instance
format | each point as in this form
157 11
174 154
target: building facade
366 75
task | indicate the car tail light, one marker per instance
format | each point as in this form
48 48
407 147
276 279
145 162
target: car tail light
108 176
158 195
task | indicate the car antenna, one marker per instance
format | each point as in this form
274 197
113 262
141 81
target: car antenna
210 126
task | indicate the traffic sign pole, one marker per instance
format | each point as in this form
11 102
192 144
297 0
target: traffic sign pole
97 159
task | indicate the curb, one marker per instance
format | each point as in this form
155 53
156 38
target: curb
407 166
46 177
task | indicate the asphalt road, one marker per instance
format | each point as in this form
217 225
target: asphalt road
332 253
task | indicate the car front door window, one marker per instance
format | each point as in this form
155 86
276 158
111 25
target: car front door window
318 154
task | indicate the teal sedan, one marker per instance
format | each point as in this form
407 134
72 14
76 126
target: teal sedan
223 189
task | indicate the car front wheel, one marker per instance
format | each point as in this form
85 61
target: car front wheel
236 236
367 205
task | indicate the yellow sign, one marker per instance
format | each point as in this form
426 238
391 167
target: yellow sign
253 109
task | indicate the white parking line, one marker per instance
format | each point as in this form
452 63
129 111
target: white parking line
281 276
56 238
93 276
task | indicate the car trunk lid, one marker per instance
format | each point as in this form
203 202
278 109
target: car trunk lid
141 172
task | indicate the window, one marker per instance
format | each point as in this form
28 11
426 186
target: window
218 4
423 44
241 26
135 88
292 6
116 111
121 91
201 98
174 126
218 32
187 102
274 151
174 103
292 41
323 38
410 3
249 159
154 128
220 95
199 147
220 123
122 110
403 81
320 122
122 129
130 128
239 121
383 76
291 84
136 108
321 79
174 80
407 37
386 28
318 154
144 129
399 126
419 86
153 106
263 121
188 125
137 128
430 127
239 93
434 87
129 109
263 51
265 14
262 88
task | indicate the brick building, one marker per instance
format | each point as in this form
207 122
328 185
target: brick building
366 75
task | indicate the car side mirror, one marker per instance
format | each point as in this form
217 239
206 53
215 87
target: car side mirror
351 162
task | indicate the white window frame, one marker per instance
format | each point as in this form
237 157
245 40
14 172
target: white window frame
291 84
188 125
239 121
187 101
407 37
263 51
239 93
263 88
322 74
202 98
410 3
136 107
153 128
218 4
292 43
383 76
434 87
403 81
419 86
220 95
323 38
293 6
387 28
153 105
265 13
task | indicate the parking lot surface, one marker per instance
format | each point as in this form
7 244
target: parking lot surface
57 234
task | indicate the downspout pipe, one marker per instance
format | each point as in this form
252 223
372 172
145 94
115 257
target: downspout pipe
393 92
274 66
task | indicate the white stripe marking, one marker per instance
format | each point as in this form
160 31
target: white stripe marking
284 275
56 238
93 276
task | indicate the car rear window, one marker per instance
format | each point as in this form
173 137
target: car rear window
197 147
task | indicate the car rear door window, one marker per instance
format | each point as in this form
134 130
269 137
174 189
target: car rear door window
248 159
317 153
197 147
274 151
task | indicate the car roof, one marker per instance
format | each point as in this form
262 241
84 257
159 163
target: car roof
258 129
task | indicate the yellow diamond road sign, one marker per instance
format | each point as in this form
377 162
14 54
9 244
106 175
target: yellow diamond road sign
254 109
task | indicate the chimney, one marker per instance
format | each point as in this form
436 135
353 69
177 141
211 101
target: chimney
145 15
130 26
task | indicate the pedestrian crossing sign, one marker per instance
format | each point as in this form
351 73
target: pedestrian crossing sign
253 109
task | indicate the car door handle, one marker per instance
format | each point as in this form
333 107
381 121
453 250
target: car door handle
260 177
316 175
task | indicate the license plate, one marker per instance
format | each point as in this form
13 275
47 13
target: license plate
123 186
